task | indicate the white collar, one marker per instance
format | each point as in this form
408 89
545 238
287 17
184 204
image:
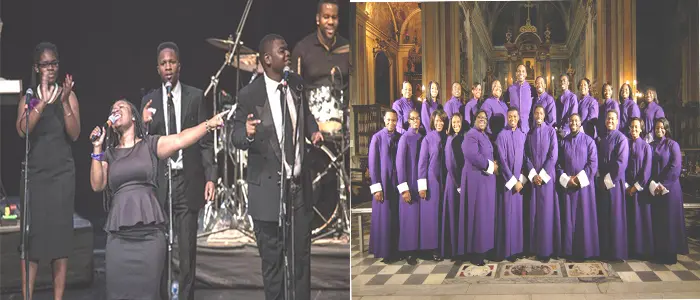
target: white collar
176 90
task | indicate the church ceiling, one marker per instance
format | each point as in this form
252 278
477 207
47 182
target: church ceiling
503 15
391 17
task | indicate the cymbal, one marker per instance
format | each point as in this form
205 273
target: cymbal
227 44
246 62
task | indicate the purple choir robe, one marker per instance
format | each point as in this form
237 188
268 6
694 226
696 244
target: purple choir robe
550 109
609 104
403 109
541 154
478 195
384 227
496 112
452 106
566 106
407 174
628 110
427 108
431 177
469 112
578 156
454 160
668 219
652 112
521 97
639 216
612 210
588 110
510 146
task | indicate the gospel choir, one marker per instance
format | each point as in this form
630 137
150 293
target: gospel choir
524 174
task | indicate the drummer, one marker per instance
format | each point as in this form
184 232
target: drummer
314 58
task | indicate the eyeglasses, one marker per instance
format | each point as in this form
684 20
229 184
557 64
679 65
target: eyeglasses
48 64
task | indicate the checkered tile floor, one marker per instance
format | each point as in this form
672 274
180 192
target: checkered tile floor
367 270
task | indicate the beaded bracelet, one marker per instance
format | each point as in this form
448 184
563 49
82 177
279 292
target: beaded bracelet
97 156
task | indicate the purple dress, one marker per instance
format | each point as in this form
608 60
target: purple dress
427 108
588 110
641 241
478 194
609 104
578 156
550 109
403 109
384 228
431 177
612 210
628 110
521 97
469 112
652 112
407 174
510 145
452 106
541 154
496 112
668 219
454 160
566 106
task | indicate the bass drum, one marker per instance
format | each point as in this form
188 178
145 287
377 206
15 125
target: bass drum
328 188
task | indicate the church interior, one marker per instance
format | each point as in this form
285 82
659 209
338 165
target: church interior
642 43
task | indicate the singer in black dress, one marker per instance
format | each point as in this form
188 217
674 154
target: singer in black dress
127 170
54 123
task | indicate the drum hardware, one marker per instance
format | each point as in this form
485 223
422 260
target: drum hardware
228 44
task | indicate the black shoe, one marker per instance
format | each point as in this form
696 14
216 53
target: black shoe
512 258
390 260
479 262
543 260
437 257
411 260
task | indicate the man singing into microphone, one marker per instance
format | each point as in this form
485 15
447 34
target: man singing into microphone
178 107
258 129
323 59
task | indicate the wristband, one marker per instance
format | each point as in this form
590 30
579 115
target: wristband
97 156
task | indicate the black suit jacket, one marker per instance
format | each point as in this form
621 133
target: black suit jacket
264 152
198 159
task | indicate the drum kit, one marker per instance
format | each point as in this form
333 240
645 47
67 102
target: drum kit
230 210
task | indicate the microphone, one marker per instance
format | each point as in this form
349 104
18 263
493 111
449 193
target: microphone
110 121
287 69
28 96
168 89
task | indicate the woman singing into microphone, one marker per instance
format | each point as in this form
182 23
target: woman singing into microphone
54 122
136 248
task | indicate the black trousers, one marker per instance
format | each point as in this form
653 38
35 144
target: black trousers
185 235
270 246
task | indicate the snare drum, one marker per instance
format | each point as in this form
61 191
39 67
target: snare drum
326 107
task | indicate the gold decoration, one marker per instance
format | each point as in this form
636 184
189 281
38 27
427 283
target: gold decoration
528 27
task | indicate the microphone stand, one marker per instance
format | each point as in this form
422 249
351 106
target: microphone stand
24 255
283 221
172 292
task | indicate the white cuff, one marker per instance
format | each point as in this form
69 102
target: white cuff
422 184
377 187
564 180
402 187
523 179
638 186
545 177
627 185
652 187
607 180
490 168
532 174
459 190
511 182
583 179
665 191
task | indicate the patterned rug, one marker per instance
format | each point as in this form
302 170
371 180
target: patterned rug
586 270
469 270
531 269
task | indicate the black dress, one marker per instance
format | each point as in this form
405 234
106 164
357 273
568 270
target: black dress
51 186
136 246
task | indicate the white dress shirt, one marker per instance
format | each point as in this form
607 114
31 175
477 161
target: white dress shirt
177 103
273 96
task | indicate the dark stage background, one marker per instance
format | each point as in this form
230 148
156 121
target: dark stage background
110 49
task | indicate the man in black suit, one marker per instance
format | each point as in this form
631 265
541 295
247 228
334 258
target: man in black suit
192 167
257 128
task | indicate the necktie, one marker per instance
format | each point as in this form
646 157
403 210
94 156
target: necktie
288 128
172 125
